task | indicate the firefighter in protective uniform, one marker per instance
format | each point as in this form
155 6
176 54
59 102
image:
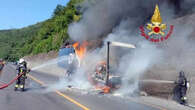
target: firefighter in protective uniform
183 85
2 63
21 68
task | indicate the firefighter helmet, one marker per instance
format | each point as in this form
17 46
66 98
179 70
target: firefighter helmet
21 60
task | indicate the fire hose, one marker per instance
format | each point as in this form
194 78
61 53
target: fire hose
11 82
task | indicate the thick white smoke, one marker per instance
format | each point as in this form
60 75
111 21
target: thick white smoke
178 51
78 80
119 20
132 63
136 63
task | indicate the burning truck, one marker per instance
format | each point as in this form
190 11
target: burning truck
102 77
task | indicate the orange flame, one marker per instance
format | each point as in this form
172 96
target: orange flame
80 49
105 89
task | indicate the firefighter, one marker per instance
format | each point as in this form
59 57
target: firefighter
2 63
182 85
71 65
21 68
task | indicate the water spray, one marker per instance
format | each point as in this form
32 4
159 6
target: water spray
51 62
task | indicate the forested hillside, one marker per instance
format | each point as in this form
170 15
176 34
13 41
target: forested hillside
41 37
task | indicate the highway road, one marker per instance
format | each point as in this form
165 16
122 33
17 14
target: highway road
35 99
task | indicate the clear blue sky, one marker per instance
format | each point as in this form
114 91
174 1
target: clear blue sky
21 13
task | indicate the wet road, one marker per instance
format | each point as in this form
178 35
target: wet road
34 98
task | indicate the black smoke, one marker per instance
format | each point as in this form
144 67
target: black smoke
182 7
100 17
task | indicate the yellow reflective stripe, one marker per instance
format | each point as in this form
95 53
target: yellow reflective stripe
21 86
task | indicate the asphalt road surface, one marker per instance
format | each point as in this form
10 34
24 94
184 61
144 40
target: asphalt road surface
35 99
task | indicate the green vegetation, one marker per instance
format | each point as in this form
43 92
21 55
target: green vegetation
41 37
